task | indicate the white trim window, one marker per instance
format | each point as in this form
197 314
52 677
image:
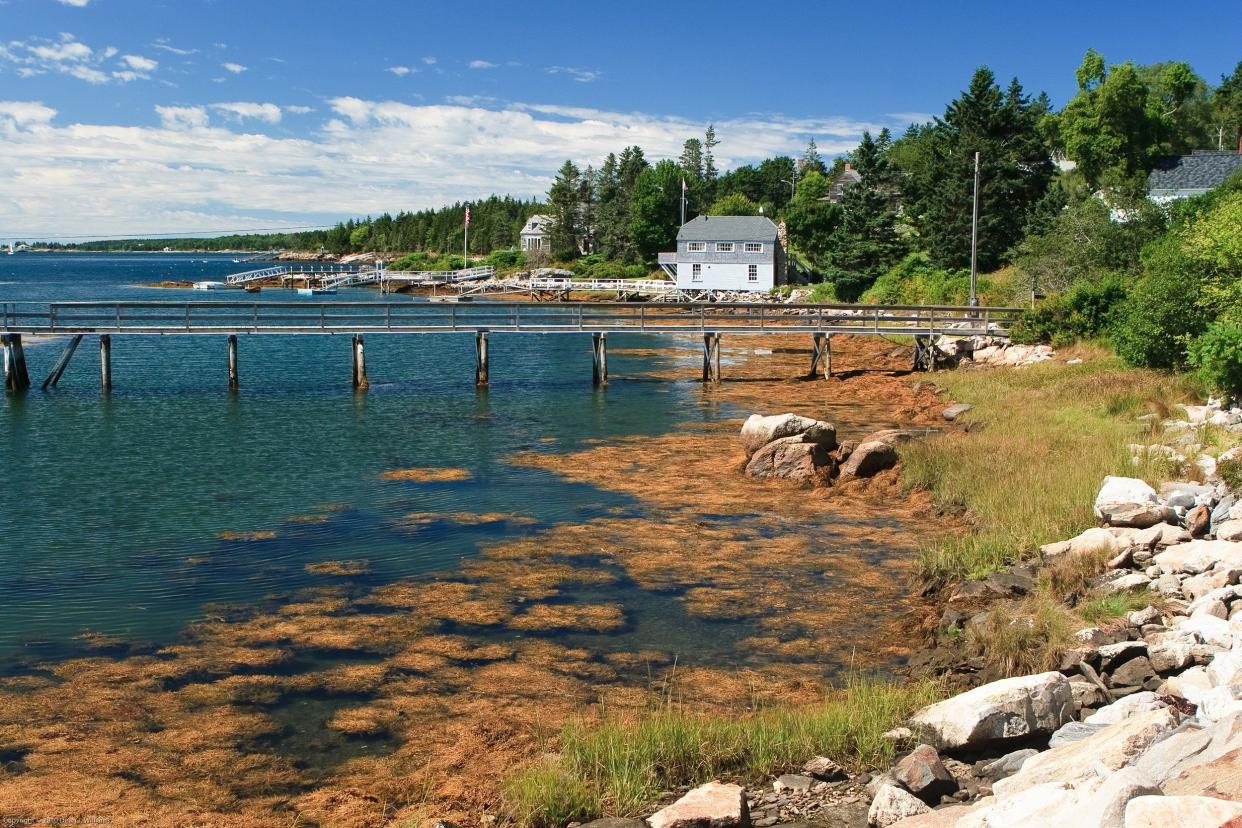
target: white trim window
696 272
753 247
752 273
724 247
696 247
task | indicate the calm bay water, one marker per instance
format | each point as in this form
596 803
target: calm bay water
114 507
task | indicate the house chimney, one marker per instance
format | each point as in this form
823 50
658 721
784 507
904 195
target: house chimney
848 166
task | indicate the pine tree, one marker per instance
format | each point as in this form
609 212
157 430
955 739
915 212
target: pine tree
1004 127
709 163
811 160
565 206
865 244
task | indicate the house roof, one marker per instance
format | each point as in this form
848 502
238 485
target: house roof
728 228
1201 170
537 223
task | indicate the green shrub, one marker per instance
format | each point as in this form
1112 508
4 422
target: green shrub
636 271
506 259
916 281
1162 314
1086 311
822 292
1230 471
1217 355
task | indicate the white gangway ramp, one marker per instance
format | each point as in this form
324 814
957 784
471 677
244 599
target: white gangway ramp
257 275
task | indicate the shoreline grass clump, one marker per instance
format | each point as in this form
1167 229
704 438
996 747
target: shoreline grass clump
618 766
1041 440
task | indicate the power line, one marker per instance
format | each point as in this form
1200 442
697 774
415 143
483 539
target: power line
183 234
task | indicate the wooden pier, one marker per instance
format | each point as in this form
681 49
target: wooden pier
229 320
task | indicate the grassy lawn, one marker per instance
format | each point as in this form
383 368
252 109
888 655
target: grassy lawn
617 767
1042 439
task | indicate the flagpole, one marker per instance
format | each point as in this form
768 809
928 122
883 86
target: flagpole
683 201
465 239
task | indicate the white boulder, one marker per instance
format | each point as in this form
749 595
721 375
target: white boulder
759 430
891 805
1127 501
714 805
1176 811
1012 708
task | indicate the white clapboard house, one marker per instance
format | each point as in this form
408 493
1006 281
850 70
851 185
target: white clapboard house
727 253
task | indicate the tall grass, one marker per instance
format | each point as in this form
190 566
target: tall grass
1042 439
618 766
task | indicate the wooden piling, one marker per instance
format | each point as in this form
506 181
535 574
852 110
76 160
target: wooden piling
822 355
481 367
234 383
599 358
711 358
62 363
105 363
361 383
16 379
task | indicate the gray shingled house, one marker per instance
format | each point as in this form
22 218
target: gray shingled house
1183 176
727 253
536 233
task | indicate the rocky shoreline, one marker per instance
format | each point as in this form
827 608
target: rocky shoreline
1138 726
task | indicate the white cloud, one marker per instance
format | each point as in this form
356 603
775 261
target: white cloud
162 43
182 117
75 3
483 64
400 71
470 100
241 110
235 68
26 112
299 110
69 56
580 75
139 63
430 61
187 174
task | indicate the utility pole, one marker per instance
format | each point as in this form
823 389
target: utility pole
465 241
974 240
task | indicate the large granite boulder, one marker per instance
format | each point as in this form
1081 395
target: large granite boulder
759 430
875 453
789 459
1176 811
714 805
1126 501
1005 710
1198 556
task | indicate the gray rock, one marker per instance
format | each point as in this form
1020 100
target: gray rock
821 767
1113 656
1220 514
1007 765
891 805
923 774
1073 732
954 411
792 782
1127 501
788 458
869 458
1136 671
1009 709
758 431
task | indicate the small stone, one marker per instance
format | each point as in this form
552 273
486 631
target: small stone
954 411
821 767
792 782
923 774
715 805
1007 765
1133 672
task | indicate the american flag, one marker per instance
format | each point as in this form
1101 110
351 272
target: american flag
467 216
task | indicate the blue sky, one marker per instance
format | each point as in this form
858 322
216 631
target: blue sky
218 114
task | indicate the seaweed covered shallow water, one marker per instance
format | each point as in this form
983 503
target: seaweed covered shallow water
261 607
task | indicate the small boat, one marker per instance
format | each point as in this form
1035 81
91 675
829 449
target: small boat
316 291
210 286
253 288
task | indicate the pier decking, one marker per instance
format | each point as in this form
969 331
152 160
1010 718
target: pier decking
711 320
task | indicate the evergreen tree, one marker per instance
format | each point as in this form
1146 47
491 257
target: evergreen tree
565 207
811 160
1004 127
865 244
587 198
656 209
709 163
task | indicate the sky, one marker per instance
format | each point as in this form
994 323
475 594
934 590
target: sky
125 117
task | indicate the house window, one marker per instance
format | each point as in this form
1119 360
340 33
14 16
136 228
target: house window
754 247
696 247
724 247
696 273
752 273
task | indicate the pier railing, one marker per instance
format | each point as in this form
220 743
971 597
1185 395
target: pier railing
171 318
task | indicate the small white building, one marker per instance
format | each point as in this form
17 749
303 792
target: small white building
736 253
536 234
